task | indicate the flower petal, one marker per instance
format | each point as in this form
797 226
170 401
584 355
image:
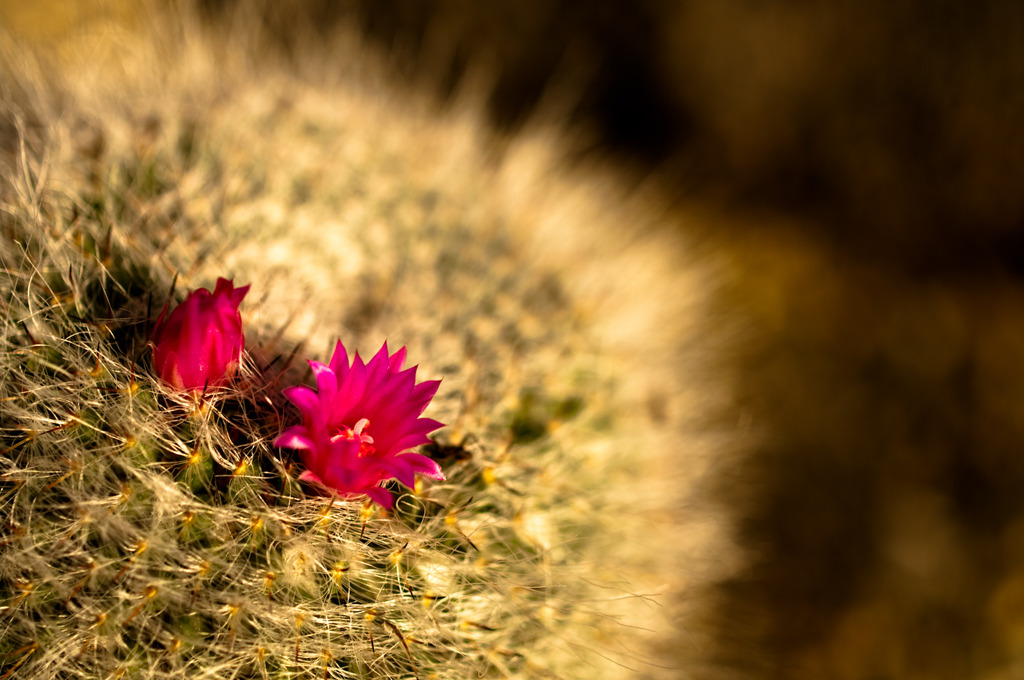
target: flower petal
397 359
295 438
425 466
326 381
303 397
339 361
380 496
350 393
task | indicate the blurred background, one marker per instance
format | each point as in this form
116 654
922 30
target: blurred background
859 166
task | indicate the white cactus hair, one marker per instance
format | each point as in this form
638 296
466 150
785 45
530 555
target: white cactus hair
143 535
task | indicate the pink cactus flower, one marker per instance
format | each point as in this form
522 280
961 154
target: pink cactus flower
200 342
360 424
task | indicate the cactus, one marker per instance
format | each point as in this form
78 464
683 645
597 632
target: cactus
154 534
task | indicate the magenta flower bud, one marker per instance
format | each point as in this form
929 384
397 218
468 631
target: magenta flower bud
201 341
